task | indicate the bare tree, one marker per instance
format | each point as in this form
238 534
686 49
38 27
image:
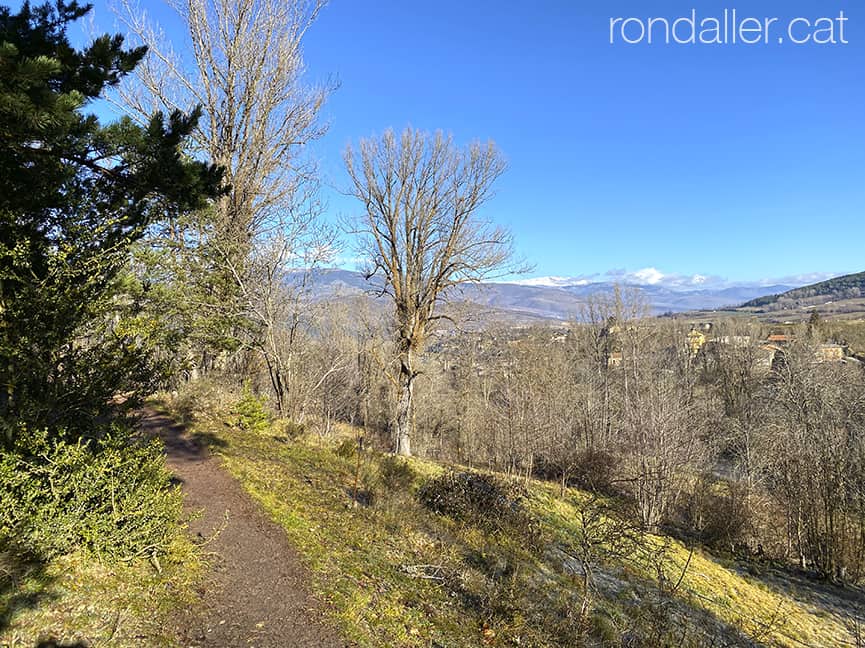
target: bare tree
281 318
422 233
246 71
244 67
812 448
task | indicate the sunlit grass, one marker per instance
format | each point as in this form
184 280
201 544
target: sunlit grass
732 596
395 574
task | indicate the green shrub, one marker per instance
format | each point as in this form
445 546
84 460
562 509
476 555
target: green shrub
112 496
251 411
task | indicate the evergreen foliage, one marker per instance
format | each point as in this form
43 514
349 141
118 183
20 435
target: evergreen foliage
847 287
111 497
76 194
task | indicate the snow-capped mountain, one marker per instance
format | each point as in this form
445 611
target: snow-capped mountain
652 277
563 297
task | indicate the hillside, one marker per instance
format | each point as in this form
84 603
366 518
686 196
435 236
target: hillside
398 562
847 287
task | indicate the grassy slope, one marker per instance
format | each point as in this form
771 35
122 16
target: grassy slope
830 289
75 598
397 575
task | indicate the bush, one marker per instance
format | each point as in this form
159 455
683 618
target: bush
594 470
111 496
251 412
717 514
589 469
478 499
396 474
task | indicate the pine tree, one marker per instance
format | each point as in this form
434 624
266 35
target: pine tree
74 195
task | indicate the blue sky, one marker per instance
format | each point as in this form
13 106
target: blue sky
741 161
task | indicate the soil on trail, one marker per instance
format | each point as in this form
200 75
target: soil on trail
256 593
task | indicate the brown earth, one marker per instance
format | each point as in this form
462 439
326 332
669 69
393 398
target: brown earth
256 593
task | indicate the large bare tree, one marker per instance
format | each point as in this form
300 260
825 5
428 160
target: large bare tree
242 63
245 68
423 235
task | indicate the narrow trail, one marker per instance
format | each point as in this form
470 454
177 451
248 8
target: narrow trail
256 593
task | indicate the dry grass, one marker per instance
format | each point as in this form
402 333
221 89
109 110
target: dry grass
766 609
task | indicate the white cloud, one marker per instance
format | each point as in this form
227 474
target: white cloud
650 276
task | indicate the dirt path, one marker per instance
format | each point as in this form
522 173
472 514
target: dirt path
256 593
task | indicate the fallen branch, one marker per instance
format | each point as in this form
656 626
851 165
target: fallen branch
425 572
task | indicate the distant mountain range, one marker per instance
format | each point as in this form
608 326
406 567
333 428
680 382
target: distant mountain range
558 298
565 301
676 282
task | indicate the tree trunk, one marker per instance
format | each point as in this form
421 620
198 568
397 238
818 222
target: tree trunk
404 407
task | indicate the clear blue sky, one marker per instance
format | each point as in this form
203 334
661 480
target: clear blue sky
744 161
